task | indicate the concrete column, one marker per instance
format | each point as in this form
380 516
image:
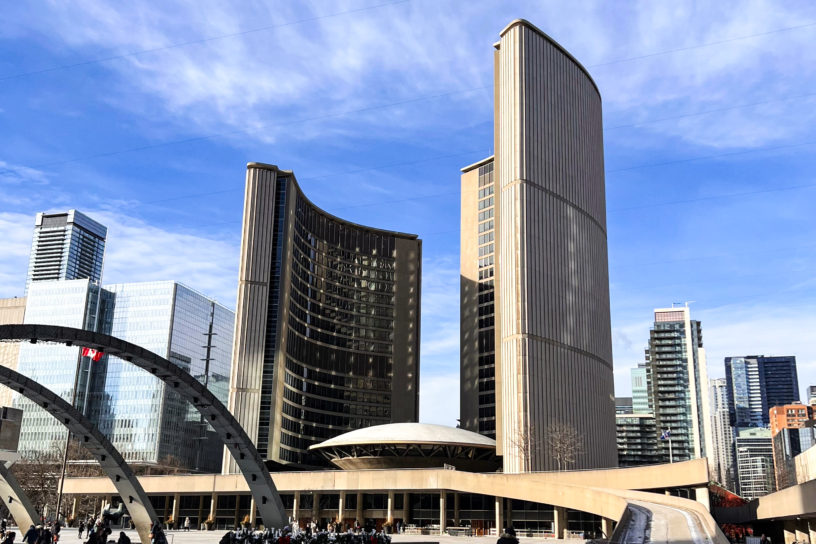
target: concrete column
108 500
359 513
802 534
701 495
176 506
252 515
789 530
406 506
213 506
442 513
390 514
456 509
560 518
237 517
340 509
200 511
315 507
508 512
296 505
499 515
811 525
667 492
74 505
606 527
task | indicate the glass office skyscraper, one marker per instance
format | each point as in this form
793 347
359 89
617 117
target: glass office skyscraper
66 246
146 422
756 384
71 303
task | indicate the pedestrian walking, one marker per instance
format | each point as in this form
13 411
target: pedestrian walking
508 536
31 536
123 538
9 539
81 528
187 524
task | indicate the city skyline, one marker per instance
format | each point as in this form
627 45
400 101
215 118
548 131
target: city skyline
744 259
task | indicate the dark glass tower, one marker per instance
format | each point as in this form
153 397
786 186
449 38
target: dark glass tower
755 384
327 322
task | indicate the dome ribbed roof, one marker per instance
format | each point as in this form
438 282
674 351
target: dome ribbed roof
409 433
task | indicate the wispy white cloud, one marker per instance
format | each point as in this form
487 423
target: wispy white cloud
15 174
135 251
139 251
16 229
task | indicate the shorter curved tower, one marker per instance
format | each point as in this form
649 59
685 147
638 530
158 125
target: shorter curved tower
327 323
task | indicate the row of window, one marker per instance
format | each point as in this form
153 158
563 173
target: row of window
485 262
486 226
486 203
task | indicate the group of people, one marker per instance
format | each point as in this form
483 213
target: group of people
99 533
41 534
312 535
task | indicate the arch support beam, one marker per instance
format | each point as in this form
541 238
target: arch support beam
109 459
222 421
16 500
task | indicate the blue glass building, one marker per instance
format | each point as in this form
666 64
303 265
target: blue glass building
148 423
755 384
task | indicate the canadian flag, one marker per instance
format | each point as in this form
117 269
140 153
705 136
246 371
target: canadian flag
94 354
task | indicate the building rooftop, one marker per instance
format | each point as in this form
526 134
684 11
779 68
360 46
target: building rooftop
409 433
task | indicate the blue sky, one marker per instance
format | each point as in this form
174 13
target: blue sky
145 115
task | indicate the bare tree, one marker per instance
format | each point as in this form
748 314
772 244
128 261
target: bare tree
39 474
565 443
527 443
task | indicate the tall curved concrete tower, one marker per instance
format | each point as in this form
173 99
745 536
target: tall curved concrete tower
536 338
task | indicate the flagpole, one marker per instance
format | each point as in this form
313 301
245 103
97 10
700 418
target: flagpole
671 455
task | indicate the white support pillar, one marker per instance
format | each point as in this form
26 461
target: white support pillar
606 527
442 513
315 507
213 506
176 506
296 506
360 518
406 508
341 511
390 513
811 524
560 522
701 495
499 515
252 514
456 509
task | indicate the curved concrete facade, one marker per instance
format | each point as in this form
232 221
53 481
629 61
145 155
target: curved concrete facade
327 322
553 339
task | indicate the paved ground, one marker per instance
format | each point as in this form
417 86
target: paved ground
69 536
